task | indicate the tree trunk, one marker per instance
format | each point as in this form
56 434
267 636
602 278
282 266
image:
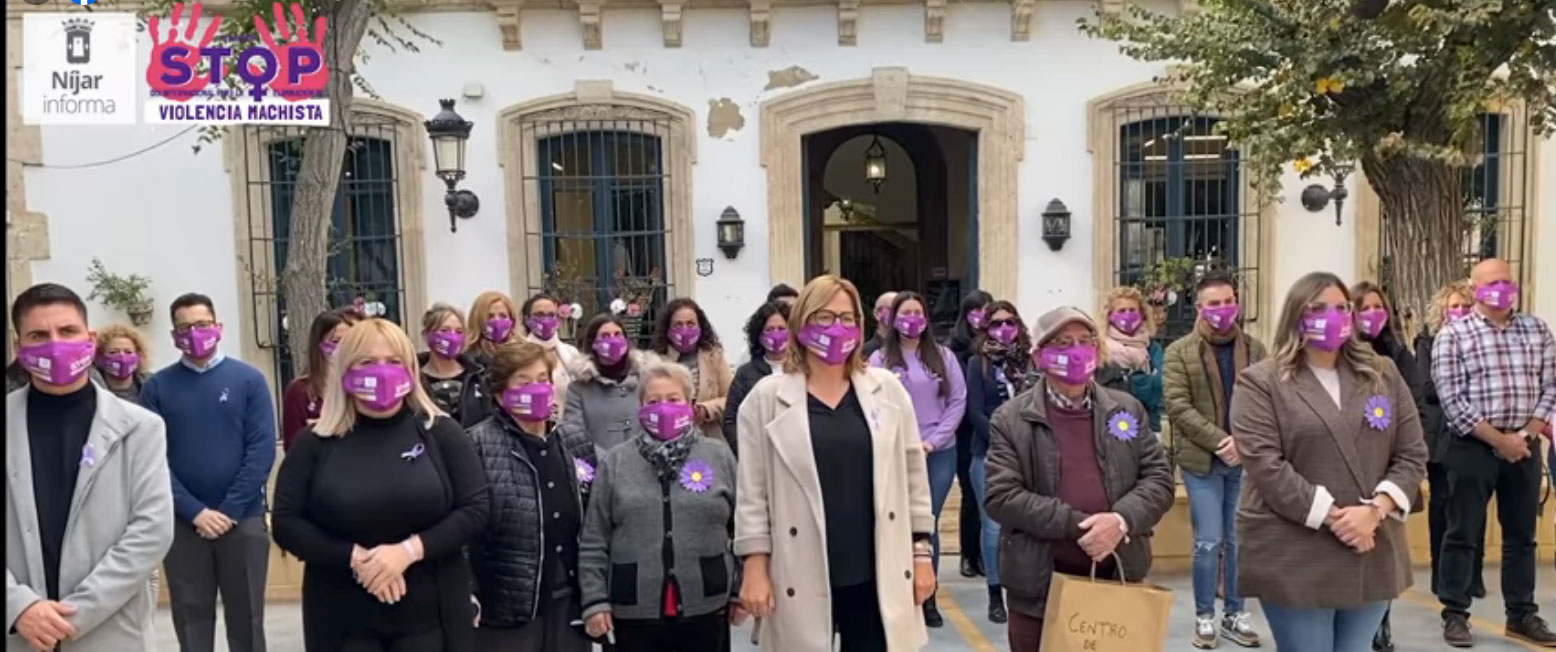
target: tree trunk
1423 228
304 277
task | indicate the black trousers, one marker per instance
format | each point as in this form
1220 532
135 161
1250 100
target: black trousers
233 565
1437 525
856 616
969 516
428 641
705 633
1475 475
551 631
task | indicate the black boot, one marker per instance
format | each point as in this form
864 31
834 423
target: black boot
1383 641
969 566
997 613
931 614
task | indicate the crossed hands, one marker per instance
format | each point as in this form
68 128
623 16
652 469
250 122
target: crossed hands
211 524
1103 534
381 570
1355 527
43 625
1512 448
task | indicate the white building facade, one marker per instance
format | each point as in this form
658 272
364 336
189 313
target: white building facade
610 138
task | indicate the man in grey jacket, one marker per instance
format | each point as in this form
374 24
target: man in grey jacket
80 462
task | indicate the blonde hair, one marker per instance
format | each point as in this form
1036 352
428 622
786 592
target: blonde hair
338 415
1290 344
668 370
815 297
1128 293
439 313
116 331
481 310
1437 311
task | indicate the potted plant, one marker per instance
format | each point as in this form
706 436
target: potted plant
125 293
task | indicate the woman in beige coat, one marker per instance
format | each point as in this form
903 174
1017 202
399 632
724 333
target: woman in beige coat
1331 444
832 512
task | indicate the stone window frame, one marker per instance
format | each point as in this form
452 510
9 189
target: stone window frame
995 115
410 164
521 185
1102 142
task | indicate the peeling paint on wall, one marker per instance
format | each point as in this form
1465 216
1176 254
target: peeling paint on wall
788 77
724 118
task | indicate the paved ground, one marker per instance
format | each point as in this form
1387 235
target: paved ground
1416 625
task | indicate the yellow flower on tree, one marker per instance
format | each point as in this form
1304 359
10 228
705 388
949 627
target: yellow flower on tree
1302 165
1327 85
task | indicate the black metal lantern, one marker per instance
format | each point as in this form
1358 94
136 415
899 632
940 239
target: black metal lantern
875 163
1056 224
449 133
1315 197
732 232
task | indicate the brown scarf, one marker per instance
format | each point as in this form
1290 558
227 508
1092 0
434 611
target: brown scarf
1209 340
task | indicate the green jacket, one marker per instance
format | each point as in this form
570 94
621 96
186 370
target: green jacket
1189 403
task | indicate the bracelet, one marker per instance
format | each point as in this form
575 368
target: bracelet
410 550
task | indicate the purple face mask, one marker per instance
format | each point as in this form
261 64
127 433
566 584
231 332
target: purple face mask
1371 322
1221 318
1500 295
1004 333
911 326
198 343
1455 314
499 328
611 349
1327 329
1126 321
446 343
976 318
378 387
1073 365
775 341
685 338
542 327
830 343
119 365
530 402
328 347
57 363
665 421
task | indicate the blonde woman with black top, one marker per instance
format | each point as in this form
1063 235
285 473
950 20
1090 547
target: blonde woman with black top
493 323
378 500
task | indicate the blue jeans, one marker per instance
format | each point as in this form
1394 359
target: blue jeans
942 473
1213 512
991 530
1298 629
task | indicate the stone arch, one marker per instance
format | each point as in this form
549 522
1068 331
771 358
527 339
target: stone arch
590 105
997 116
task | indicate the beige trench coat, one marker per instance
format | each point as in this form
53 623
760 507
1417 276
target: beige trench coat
779 512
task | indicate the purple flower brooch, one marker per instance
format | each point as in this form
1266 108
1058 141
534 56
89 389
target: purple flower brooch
1123 425
697 476
584 471
1380 413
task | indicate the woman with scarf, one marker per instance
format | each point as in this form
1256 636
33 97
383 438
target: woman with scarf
767 336
451 376
1001 370
1134 358
492 321
683 334
971 322
602 401
542 324
123 359
304 396
655 562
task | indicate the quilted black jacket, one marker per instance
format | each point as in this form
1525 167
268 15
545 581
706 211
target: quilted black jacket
505 560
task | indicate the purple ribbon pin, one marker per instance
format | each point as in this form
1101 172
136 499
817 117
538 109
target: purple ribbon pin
88 456
413 453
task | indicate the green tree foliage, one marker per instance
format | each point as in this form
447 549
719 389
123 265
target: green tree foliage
1395 86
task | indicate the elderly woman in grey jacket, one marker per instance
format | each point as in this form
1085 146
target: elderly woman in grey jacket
654 565
602 399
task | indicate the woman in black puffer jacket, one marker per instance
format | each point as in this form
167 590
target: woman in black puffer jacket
970 324
767 339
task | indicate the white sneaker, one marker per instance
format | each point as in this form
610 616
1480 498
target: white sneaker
1205 633
1238 628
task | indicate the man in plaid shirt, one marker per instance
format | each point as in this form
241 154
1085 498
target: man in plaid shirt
1496 374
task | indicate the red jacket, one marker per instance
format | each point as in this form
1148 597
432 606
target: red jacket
299 408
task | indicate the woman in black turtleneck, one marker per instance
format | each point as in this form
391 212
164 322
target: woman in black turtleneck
1376 324
969 326
378 499
602 401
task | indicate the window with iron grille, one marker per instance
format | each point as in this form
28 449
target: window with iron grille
364 265
601 175
1183 209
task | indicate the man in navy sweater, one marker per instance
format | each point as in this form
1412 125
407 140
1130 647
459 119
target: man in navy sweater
221 443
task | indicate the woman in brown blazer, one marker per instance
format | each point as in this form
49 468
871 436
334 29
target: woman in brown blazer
1333 454
832 502
683 334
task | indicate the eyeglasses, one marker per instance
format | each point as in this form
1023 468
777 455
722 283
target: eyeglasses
828 318
186 328
1065 342
1003 322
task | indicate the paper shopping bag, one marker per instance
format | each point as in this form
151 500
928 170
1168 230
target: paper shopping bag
1088 615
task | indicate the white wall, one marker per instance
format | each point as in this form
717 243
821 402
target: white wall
1543 255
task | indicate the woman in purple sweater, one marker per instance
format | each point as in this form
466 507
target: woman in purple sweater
935 382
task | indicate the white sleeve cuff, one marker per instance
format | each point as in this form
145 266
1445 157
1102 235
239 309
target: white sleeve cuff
1123 524
1401 499
1322 501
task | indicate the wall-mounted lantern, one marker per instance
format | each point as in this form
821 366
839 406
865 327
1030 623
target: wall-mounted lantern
1056 224
449 133
1315 197
732 232
875 163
